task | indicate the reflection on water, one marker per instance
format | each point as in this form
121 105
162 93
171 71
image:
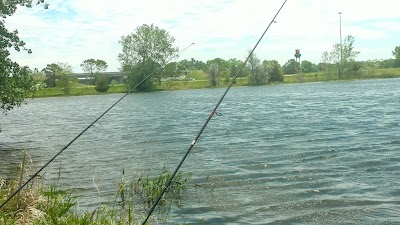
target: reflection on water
317 153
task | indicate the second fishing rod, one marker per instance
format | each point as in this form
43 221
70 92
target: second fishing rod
168 183
90 125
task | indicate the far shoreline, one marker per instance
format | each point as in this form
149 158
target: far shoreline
204 84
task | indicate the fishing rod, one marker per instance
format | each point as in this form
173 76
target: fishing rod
91 124
208 119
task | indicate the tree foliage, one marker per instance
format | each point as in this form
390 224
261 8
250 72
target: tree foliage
63 69
291 67
171 70
144 52
213 72
191 64
308 67
50 71
102 83
343 57
16 82
94 67
396 54
274 70
258 75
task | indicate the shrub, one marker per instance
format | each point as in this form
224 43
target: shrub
102 84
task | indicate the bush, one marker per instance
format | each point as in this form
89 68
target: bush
102 84
114 82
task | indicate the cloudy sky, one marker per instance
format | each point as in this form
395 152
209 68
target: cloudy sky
74 30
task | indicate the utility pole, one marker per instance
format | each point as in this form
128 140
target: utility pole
341 46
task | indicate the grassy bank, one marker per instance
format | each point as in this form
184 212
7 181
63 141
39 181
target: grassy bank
41 204
365 74
79 90
199 79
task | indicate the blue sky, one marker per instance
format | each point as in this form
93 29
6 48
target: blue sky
74 30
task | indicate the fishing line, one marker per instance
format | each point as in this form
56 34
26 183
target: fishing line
83 131
208 120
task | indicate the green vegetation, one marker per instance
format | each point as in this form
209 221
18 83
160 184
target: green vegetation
102 84
41 204
364 74
79 90
94 67
200 81
16 82
145 52
198 75
340 62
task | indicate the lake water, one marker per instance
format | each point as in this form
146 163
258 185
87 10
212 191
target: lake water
313 153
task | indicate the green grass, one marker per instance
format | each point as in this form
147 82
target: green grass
197 84
365 74
198 75
41 204
79 90
201 81
380 73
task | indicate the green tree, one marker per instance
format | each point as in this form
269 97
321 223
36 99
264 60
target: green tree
291 67
63 82
396 54
94 67
170 70
50 71
197 64
215 69
213 72
234 67
274 70
330 70
308 67
102 83
387 63
344 57
258 75
16 82
144 52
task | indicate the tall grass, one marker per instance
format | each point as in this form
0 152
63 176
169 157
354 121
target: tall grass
44 205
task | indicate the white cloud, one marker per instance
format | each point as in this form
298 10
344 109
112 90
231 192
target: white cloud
72 31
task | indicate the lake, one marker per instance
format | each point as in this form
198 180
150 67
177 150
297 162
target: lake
312 153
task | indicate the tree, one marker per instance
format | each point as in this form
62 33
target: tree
63 82
344 57
258 75
102 83
234 67
291 67
94 67
144 52
197 64
387 63
274 70
16 82
308 67
396 54
213 73
50 71
170 70
215 69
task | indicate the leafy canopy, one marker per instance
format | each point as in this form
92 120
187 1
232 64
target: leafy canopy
16 82
94 66
144 52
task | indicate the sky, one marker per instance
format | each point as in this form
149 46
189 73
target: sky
71 31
